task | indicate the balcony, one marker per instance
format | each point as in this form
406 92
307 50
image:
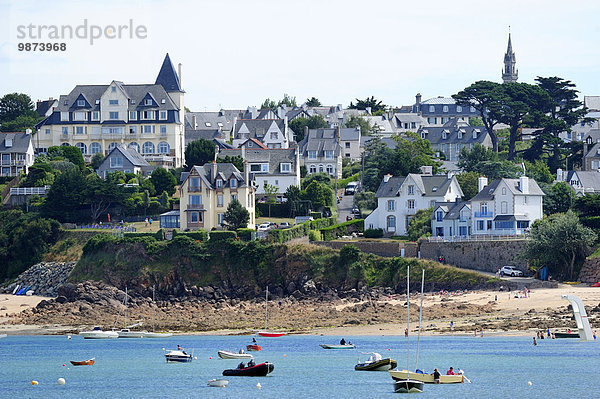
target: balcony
411 211
64 137
484 214
194 189
195 207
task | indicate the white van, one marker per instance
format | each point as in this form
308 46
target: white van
351 188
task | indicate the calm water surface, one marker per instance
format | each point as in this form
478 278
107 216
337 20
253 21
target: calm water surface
136 368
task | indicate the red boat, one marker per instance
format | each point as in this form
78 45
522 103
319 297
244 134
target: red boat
270 334
253 348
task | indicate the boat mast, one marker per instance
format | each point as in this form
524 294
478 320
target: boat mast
407 321
153 309
125 306
266 304
420 319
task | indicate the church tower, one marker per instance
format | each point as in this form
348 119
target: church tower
510 74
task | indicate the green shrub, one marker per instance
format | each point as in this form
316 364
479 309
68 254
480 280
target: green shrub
246 234
319 224
344 182
316 215
281 236
97 242
373 233
342 229
315 235
134 235
401 238
222 236
277 210
591 222
198 235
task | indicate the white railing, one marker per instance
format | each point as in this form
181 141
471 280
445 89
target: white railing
478 237
29 190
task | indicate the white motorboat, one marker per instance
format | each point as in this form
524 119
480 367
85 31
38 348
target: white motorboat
408 386
127 333
98 333
178 356
341 346
218 382
233 355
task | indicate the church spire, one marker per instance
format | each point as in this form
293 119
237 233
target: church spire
510 74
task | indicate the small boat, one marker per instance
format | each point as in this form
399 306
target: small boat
153 334
3 335
253 348
345 346
376 363
259 370
270 334
566 335
233 355
399 375
266 333
98 333
218 382
88 362
408 386
178 356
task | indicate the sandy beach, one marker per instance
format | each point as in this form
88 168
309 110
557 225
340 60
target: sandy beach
496 312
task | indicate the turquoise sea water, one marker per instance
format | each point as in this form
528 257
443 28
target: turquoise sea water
498 367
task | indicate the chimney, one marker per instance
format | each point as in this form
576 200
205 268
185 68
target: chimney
338 133
195 119
305 131
179 73
368 109
418 99
246 173
481 183
28 131
339 107
559 175
213 170
427 170
524 184
244 153
386 178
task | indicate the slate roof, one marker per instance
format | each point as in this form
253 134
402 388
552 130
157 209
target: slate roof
453 129
320 140
224 170
451 209
488 192
43 106
20 142
350 134
274 156
167 77
592 102
439 100
389 188
212 118
258 127
130 154
215 135
431 186
588 179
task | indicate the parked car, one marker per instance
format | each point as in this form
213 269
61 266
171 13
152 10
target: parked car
511 271
351 188
264 226
284 225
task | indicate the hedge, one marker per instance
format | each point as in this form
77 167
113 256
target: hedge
344 182
159 235
591 222
222 236
198 235
277 210
345 228
299 230
246 234
373 233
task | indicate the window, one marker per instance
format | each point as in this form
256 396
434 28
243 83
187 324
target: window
148 148
82 147
504 207
411 204
321 169
233 183
472 109
480 225
132 129
65 131
132 115
81 103
234 197
525 199
432 108
220 200
219 183
113 115
489 224
285 167
312 154
503 190
462 231
163 148
162 115
445 109
391 223
439 231
330 169
196 200
79 130
273 135
95 115
47 131
64 116
347 145
194 183
391 205
113 102
411 190
163 129
113 89
95 148
483 208
111 146
147 114
255 167
116 162
439 216
194 217
458 108
219 218
207 124
147 128
148 101
504 225
522 224
329 154
312 169
265 167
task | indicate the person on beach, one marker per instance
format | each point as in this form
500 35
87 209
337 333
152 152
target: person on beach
342 341
406 332
476 332
436 376
450 371
452 326
534 342
548 330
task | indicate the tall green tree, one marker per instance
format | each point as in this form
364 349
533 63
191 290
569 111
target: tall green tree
559 198
484 161
199 152
237 161
561 243
469 184
356 121
313 102
420 224
377 106
539 171
100 195
410 154
319 194
65 197
321 177
236 216
163 181
17 113
313 122
270 192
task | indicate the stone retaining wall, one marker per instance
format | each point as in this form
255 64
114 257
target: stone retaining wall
44 278
382 248
590 271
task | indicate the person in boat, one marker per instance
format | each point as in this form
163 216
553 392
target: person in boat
342 341
436 376
241 351
450 371
254 340
241 365
251 363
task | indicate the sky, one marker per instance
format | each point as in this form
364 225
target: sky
236 53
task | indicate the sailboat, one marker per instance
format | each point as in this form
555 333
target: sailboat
401 376
154 334
126 332
407 384
266 332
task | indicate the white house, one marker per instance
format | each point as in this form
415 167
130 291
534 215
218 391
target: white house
399 198
506 206
451 219
16 153
273 133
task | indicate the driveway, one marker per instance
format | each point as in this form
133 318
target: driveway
344 208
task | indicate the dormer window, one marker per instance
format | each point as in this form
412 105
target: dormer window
66 102
207 124
432 108
472 109
445 134
445 108
423 135
81 103
475 131
458 108
163 101
219 183
233 183
460 132
148 102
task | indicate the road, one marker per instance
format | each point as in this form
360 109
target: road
344 208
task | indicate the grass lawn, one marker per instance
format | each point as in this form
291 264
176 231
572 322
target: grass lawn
275 220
